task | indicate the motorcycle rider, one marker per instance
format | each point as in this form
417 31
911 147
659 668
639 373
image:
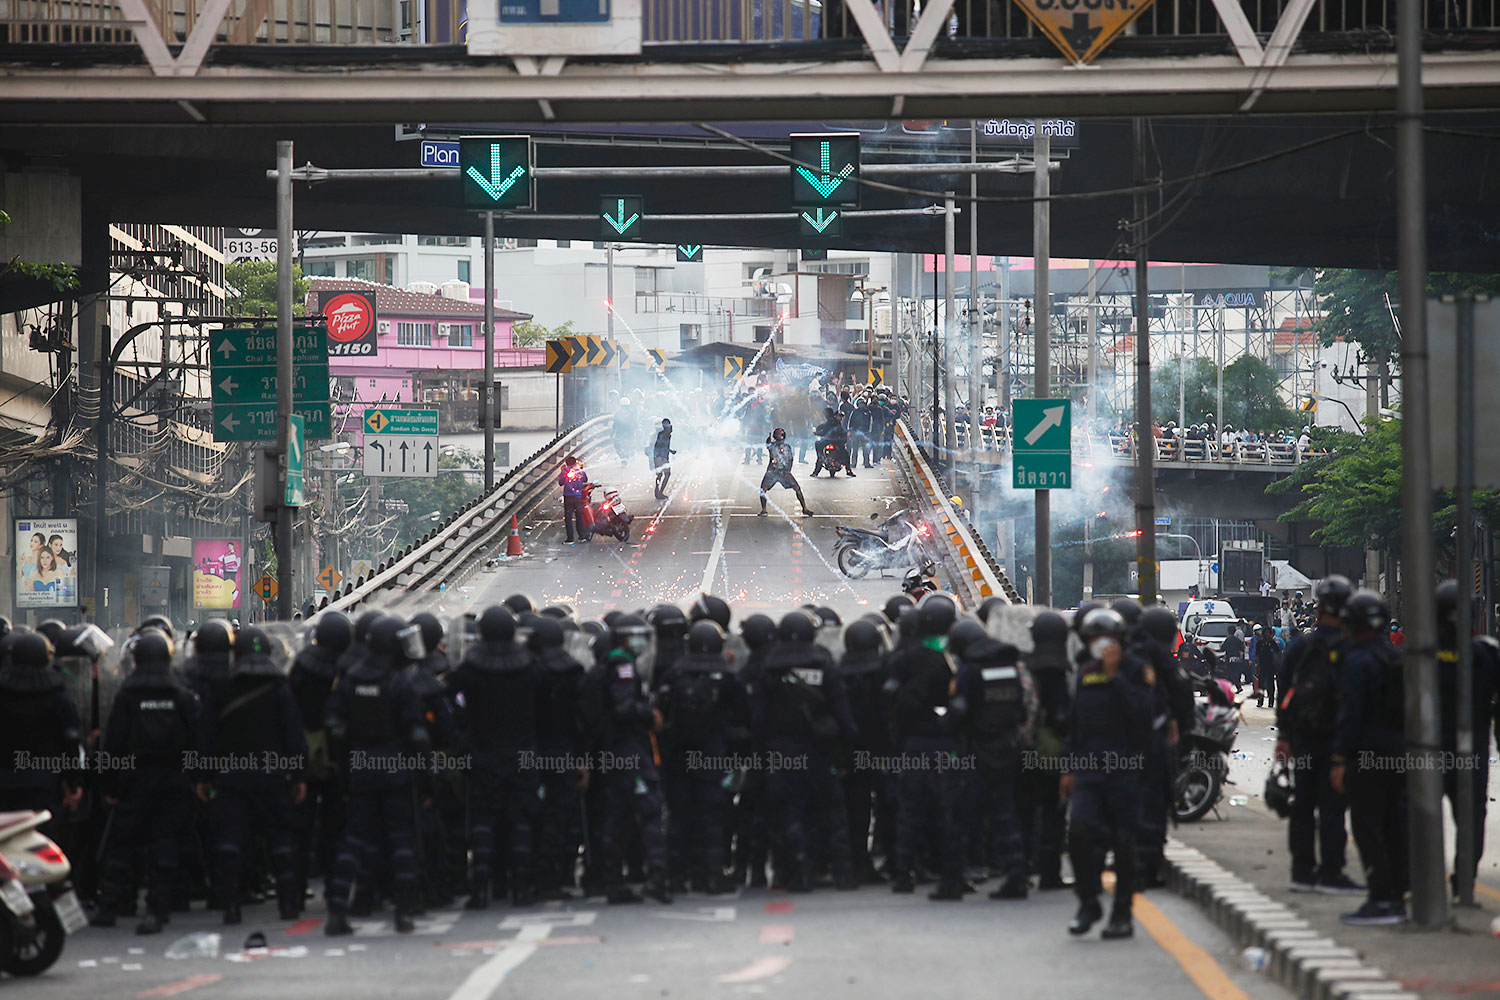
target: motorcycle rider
252 718
1306 715
832 432
572 479
779 470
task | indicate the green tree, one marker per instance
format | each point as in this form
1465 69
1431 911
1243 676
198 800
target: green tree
1199 383
1252 398
529 334
62 277
252 288
441 495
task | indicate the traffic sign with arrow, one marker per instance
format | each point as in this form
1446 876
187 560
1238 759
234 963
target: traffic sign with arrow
621 215
827 170
496 171
401 442
824 223
1080 31
294 448
658 360
244 378
690 253
577 348
1043 455
734 366
329 577
558 362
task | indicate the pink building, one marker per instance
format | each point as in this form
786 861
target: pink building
430 348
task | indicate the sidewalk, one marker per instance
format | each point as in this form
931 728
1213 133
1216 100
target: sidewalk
1249 842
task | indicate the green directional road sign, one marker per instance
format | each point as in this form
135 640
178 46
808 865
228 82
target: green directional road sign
496 171
826 173
401 421
814 253
620 215
401 443
690 253
820 223
294 448
1042 440
243 381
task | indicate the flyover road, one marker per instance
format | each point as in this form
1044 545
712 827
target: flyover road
708 536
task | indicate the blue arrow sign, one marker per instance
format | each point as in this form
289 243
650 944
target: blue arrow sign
689 251
618 222
826 182
498 181
821 222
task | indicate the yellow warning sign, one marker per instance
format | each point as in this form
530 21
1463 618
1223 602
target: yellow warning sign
1082 28
877 377
733 367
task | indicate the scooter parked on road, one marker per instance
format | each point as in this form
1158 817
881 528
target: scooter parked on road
41 873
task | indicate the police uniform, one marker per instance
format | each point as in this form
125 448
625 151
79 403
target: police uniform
630 779
1370 742
1043 816
320 815
927 785
867 795
435 855
1306 717
1486 672
38 720
1171 700
561 742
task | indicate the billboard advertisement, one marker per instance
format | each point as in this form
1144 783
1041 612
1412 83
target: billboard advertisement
47 562
217 563
350 317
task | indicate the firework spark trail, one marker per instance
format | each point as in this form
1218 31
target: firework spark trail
834 570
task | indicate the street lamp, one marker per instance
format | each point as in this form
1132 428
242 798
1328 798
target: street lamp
1202 584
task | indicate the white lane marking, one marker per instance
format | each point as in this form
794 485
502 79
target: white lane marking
761 968
715 553
578 918
483 981
707 914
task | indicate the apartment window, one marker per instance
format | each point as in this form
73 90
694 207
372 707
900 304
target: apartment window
463 270
688 335
390 271
461 335
564 244
362 268
318 269
442 241
414 334
525 244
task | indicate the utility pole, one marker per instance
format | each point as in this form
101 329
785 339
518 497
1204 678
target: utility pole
285 598
1219 399
976 321
1145 447
1002 346
1424 781
485 397
1092 326
1041 251
950 387
1463 876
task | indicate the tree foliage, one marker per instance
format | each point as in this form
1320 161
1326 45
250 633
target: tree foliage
62 277
443 494
1251 395
252 288
530 334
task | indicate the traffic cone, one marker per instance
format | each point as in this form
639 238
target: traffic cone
513 547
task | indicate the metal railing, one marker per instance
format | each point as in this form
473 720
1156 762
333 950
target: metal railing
702 305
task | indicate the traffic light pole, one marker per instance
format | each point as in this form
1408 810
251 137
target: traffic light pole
1145 445
950 374
284 249
1041 328
485 396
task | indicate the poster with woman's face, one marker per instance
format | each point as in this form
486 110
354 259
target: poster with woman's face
216 573
47 562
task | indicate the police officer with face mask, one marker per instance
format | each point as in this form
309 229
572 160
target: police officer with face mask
499 688
1043 815
374 713
152 724
251 736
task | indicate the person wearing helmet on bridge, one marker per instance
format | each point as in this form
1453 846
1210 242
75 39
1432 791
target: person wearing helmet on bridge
572 478
779 470
1369 756
661 457
1107 737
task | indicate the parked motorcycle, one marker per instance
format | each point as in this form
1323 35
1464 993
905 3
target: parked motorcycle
41 873
896 543
606 515
1203 763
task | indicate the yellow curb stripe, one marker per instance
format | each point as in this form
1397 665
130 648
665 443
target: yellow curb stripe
1210 978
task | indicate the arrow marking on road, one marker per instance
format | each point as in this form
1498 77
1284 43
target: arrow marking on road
1051 417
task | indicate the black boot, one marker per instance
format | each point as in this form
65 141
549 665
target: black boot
1120 926
337 924
479 899
1011 888
404 923
1089 913
947 893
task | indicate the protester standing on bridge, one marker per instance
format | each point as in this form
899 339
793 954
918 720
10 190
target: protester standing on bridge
661 457
572 479
779 470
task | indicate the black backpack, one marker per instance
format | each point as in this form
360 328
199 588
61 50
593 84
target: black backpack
1313 701
693 707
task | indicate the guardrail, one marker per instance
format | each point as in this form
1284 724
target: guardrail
973 568
448 555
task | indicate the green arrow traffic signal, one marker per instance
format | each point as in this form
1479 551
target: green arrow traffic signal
826 171
496 171
621 215
689 252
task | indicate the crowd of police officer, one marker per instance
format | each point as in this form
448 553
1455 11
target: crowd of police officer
634 756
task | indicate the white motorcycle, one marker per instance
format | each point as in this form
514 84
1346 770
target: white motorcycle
37 895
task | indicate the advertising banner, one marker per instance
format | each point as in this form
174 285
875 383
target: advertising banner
351 323
216 573
47 562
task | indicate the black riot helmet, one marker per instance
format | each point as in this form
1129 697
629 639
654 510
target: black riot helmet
668 621
936 614
1365 611
1332 593
214 636
630 633
705 637
497 624
53 629
161 622
715 609
1128 610
363 624
519 604
385 639
1102 622
758 631
1447 606
5 626
862 637
779 434
990 605
333 631
29 649
1047 628
892 609
1158 623
1082 613
253 641
151 652
546 633
797 627
828 617
964 633
1278 792
432 629
558 611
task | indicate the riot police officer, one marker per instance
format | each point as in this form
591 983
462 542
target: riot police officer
799 718
1107 738
751 840
1171 715
152 724
671 627
703 706
208 669
562 743
628 764
437 802
499 686
866 795
1486 673
251 735
1043 815
39 731
996 705
928 788
374 713
320 815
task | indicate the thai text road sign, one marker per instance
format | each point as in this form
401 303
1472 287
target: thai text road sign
329 577
294 450
559 358
496 171
826 174
401 443
244 376
1084 28
265 588
386 420
1043 443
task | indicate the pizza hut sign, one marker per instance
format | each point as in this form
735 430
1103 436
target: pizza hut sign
351 323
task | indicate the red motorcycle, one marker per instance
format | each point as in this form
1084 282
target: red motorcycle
606 515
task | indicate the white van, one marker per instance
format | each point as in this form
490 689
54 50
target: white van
1196 611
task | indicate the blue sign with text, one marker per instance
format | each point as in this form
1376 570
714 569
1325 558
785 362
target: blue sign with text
439 154
553 11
